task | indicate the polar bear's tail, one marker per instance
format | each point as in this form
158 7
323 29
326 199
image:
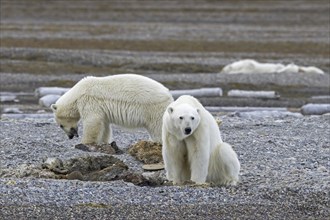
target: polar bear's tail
224 165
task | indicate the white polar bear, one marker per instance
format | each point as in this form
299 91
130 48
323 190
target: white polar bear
127 100
249 66
193 148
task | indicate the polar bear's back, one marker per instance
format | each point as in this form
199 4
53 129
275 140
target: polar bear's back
124 87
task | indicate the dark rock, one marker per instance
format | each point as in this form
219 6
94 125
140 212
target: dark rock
90 163
107 174
75 175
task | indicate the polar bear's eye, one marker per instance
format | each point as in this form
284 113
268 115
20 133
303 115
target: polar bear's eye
192 118
61 126
180 117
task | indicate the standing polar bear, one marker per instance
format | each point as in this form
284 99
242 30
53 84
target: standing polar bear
193 148
127 100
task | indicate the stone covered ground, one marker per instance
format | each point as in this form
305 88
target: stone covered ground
183 44
285 174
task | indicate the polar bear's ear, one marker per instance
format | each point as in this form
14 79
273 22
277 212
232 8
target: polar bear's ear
53 107
170 110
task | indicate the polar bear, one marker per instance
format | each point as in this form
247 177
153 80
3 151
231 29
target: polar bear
252 66
193 148
127 100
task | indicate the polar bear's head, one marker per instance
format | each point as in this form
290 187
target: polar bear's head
67 122
184 119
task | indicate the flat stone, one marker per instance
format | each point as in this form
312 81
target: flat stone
153 167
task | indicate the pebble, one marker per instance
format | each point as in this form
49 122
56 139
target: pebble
322 169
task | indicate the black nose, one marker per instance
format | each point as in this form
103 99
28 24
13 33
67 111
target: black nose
74 132
187 130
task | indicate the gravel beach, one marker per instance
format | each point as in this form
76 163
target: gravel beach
285 175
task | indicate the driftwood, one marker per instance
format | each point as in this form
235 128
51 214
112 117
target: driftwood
319 99
244 109
315 109
7 98
42 91
254 94
263 114
12 110
27 116
12 96
255 112
48 100
203 92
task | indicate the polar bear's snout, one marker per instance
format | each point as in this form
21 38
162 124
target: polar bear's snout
73 133
187 130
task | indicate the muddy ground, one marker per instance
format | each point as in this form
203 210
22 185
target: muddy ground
184 45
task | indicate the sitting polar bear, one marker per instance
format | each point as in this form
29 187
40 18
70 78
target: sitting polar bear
193 148
127 100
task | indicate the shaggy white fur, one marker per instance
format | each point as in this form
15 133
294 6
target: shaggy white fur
193 148
127 100
251 66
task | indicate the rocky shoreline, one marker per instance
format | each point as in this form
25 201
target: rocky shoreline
285 174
